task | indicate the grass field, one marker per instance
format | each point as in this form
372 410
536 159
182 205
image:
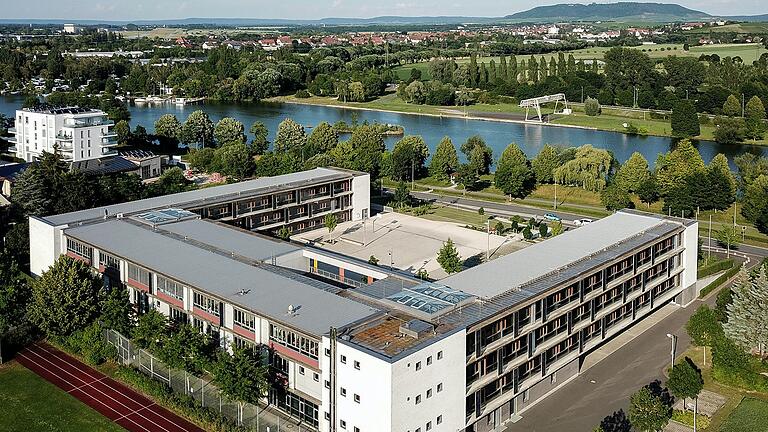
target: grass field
30 403
749 27
750 415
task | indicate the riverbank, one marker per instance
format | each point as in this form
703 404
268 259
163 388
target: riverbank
609 121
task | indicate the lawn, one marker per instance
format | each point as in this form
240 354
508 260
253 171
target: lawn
750 415
30 403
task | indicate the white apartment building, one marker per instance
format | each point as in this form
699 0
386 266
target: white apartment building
362 348
79 134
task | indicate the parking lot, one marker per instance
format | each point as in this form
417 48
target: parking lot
410 243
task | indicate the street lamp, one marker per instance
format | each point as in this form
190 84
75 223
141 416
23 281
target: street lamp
391 263
674 346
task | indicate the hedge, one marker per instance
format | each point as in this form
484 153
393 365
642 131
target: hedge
719 281
715 267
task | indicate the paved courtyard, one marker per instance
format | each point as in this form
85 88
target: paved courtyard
412 243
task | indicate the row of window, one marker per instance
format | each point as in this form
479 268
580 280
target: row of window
207 304
109 261
428 426
428 394
79 249
293 340
139 274
428 361
244 319
170 288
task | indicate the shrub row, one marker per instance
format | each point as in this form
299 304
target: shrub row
715 267
719 281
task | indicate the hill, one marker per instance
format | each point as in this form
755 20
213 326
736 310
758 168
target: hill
621 11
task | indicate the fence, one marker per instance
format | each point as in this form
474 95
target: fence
259 418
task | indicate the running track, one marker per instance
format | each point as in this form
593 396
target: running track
115 401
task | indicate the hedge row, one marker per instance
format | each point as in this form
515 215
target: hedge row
719 281
715 267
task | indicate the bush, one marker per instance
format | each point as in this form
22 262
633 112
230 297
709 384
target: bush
302 94
686 418
719 281
89 343
715 267
592 107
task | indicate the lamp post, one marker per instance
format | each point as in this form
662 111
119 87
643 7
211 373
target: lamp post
674 346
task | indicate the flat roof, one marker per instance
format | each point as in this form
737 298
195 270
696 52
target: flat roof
269 289
201 196
510 272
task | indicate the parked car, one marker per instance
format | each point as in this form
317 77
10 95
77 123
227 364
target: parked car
551 217
581 222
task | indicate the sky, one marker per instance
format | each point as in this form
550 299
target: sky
126 10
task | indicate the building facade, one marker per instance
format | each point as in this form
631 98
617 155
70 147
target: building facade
360 348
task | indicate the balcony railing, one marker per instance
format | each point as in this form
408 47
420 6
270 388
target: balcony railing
87 123
63 137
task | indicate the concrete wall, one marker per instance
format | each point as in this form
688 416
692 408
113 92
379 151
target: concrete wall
45 245
689 262
548 384
361 196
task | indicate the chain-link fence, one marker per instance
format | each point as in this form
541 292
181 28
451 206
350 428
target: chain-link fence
259 418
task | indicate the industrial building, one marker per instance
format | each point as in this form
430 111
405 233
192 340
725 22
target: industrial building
359 347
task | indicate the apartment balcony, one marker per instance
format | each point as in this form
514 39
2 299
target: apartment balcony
110 134
12 130
108 142
63 137
87 123
108 152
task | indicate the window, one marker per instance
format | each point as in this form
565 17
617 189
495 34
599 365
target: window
526 396
429 393
327 352
316 377
327 384
170 288
429 425
357 429
356 398
418 366
343 424
439 419
439 355
109 261
293 340
344 359
327 415
418 399
207 304
79 249
439 388
244 320
301 370
139 275
357 365
343 392
553 378
429 360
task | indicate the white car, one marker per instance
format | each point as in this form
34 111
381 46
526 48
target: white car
581 222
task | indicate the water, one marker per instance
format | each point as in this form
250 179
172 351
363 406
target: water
530 137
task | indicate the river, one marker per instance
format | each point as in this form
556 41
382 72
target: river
530 137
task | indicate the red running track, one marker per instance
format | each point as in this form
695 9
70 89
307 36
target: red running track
115 401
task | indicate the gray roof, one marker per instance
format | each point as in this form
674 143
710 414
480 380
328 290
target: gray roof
243 243
511 271
271 289
200 196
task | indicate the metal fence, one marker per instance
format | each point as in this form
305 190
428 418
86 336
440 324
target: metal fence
258 418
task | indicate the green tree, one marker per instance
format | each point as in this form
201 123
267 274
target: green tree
755 118
545 163
729 130
368 147
674 167
242 376
123 131
284 233
168 129
260 134
592 107
229 130
615 198
408 157
648 412
722 183
202 159
197 129
755 203
322 139
589 169
685 121
150 329
117 312
747 319
449 258
514 175
290 138
233 159
184 347
14 298
732 107
685 381
543 230
66 297
632 173
750 167
331 222
402 195
704 327
445 161
478 154
648 191
729 237
467 176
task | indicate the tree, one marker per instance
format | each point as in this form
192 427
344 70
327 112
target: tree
615 198
367 146
168 129
449 258
117 312
514 175
685 380
704 327
242 376
233 159
198 128
747 318
402 195
123 131
722 184
674 167
284 233
229 130
66 297
14 298
543 230
322 139
648 412
260 133
290 137
755 118
478 154
632 173
729 236
545 163
648 191
184 347
755 204
685 121
589 169
170 182
202 159
750 167
729 130
445 161
150 328
592 107
467 176
331 222
732 107
408 157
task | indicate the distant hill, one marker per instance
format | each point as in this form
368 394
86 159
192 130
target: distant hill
621 11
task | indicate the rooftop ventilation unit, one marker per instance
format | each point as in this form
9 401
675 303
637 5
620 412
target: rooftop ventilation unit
416 328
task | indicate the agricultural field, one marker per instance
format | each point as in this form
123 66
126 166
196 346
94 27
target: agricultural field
742 28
